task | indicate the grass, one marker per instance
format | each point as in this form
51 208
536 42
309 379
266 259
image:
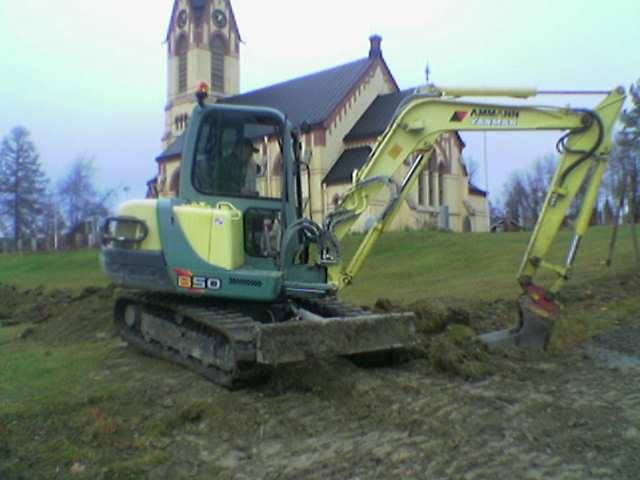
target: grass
456 268
75 269
464 269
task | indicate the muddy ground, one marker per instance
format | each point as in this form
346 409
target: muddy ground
462 414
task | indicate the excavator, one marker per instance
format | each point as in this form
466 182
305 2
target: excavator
228 278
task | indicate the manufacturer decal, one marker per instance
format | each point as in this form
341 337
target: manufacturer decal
488 117
459 116
495 117
188 281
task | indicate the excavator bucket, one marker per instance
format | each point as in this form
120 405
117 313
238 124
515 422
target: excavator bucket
319 337
537 312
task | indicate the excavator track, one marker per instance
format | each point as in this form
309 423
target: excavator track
232 344
217 342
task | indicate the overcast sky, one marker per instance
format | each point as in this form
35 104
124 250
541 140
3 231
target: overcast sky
90 77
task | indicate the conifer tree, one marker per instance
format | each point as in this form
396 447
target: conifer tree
22 184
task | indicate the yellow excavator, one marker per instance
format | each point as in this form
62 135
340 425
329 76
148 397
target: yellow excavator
226 278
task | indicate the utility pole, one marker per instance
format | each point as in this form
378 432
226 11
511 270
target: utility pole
55 230
486 163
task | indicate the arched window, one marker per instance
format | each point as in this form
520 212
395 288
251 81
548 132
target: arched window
182 50
432 176
174 183
422 194
218 49
441 197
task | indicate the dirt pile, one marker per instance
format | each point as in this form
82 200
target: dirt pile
58 316
446 338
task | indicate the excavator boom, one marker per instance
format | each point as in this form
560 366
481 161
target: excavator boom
413 134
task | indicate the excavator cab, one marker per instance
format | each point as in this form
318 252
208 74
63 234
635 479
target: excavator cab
224 235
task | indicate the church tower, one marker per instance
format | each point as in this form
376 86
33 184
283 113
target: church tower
203 43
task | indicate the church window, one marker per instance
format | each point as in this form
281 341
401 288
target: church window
182 50
217 64
422 200
441 186
432 177
174 183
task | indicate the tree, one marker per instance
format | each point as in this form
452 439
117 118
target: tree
52 223
515 203
524 193
628 141
629 148
79 197
472 168
22 184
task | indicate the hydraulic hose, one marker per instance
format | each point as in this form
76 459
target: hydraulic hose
563 144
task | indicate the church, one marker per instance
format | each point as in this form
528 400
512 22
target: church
347 108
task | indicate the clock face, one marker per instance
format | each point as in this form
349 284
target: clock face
182 18
219 18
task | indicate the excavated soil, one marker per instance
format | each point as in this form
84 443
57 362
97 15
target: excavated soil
448 410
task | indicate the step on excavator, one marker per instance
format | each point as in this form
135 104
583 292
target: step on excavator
230 276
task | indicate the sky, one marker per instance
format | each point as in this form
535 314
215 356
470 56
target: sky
89 78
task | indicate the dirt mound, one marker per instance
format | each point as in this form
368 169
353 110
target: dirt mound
59 316
446 338
11 299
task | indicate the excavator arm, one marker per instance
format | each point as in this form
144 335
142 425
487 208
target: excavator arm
413 134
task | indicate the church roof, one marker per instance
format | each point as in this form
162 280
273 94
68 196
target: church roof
474 190
343 168
173 150
311 98
378 116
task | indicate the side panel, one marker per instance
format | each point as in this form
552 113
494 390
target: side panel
192 274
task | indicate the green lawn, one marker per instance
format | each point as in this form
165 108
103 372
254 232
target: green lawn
404 266
55 269
463 268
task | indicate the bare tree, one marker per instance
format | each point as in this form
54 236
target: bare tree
473 169
52 222
628 141
22 184
79 196
524 193
515 199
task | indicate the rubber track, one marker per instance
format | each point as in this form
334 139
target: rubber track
236 327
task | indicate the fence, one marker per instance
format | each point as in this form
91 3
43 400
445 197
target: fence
83 235
50 244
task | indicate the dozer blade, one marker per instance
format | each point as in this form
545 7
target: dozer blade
536 313
300 340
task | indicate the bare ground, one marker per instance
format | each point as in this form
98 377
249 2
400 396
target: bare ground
568 415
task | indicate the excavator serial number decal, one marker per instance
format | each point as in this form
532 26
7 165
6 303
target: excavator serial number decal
199 283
